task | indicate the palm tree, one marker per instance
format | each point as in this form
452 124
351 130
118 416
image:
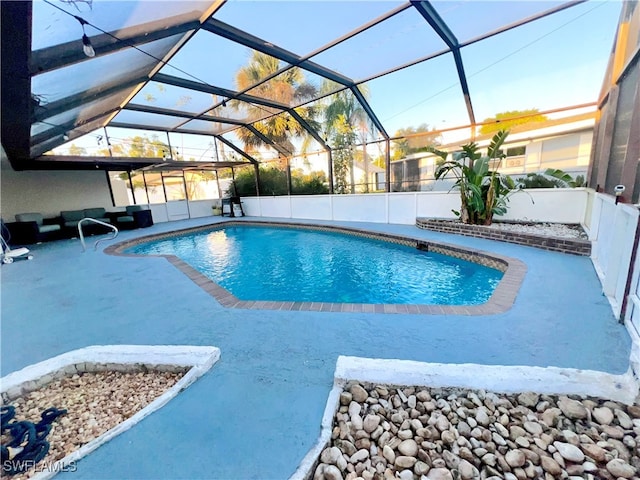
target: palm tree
344 118
289 88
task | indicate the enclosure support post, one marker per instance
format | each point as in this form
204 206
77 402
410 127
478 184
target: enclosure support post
330 171
133 192
256 170
146 189
387 166
218 184
170 149
233 182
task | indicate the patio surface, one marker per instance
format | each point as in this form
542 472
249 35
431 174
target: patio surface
258 411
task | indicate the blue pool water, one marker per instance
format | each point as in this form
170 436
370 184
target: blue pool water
284 264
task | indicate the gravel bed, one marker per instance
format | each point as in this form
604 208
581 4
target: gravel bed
95 403
546 229
382 432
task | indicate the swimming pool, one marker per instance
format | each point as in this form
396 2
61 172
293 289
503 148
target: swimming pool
267 263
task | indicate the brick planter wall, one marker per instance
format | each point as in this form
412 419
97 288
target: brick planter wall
557 244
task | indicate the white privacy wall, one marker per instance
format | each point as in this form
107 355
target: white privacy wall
557 205
541 205
360 207
311 208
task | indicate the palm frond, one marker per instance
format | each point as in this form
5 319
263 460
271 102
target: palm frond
496 143
565 180
440 153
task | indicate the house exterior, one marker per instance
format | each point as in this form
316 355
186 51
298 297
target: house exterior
563 144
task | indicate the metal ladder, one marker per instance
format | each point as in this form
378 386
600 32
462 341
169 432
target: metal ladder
95 246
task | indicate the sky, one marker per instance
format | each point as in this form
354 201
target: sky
554 62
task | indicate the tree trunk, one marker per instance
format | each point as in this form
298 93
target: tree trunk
489 202
464 210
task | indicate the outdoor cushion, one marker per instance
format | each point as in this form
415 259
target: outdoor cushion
39 219
97 214
48 228
128 218
136 216
70 218
31 228
133 208
30 217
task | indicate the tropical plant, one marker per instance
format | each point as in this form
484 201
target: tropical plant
551 178
483 191
344 118
343 146
288 88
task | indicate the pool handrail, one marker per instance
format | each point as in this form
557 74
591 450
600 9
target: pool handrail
95 245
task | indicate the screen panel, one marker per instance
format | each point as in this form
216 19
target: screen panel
98 72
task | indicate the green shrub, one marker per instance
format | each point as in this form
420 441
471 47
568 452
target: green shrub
551 178
312 184
273 181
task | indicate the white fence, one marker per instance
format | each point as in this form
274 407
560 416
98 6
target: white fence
632 314
181 209
612 233
542 205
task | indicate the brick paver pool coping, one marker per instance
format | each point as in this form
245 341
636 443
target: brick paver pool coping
500 301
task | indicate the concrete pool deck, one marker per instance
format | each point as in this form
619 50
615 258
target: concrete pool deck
257 412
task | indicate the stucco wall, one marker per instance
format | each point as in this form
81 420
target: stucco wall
49 192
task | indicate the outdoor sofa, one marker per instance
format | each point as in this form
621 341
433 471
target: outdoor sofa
30 228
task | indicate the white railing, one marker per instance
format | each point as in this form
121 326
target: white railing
95 245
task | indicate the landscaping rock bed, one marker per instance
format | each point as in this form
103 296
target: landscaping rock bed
549 236
382 432
95 403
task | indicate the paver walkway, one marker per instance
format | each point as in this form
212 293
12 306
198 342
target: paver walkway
258 411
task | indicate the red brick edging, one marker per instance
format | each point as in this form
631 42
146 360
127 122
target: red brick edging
556 244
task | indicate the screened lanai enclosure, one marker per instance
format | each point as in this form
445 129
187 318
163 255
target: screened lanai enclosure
287 97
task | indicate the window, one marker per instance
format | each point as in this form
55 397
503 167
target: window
513 151
516 151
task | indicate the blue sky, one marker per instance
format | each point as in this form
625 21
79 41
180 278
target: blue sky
554 62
